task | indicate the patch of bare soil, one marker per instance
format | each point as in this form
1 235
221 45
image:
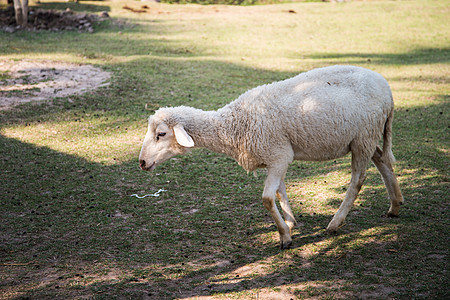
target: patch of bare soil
26 80
40 19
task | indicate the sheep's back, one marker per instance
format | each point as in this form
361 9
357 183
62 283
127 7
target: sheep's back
319 113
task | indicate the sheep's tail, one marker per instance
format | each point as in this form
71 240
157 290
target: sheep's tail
388 156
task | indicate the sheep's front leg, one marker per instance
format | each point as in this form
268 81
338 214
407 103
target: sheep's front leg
271 186
285 207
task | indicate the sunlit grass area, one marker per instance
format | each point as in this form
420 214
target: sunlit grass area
71 229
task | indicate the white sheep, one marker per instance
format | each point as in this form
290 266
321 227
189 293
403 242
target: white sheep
319 115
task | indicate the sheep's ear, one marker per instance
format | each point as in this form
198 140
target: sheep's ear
182 136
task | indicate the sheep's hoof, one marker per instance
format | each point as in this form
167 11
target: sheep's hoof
332 228
285 245
391 215
331 231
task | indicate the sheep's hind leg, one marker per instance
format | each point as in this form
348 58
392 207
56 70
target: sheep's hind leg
390 181
285 207
271 186
359 166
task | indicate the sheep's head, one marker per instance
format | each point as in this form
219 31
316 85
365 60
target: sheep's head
162 142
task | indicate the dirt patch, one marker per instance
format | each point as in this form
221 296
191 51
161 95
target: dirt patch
40 19
25 81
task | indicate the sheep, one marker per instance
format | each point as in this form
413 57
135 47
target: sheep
318 115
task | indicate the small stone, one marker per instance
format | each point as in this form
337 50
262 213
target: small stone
9 29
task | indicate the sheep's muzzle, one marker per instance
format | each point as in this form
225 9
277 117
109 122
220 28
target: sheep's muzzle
142 164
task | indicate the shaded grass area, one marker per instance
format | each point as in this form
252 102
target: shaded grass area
71 229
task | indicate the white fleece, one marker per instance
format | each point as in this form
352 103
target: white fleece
318 115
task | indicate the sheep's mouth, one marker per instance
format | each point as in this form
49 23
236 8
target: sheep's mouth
149 168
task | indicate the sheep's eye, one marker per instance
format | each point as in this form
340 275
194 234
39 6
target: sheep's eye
159 135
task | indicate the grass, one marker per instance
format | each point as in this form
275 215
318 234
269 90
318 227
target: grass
68 166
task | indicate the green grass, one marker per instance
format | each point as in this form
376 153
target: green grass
68 166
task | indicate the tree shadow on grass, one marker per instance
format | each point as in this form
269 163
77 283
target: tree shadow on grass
416 56
70 229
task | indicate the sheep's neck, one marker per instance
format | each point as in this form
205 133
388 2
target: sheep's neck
207 134
216 132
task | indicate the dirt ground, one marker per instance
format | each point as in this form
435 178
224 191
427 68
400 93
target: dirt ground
40 19
27 80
